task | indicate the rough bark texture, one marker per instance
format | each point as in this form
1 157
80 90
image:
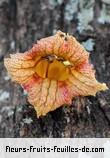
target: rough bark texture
22 23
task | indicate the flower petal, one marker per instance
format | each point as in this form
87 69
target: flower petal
47 95
40 104
86 69
68 47
44 46
20 68
62 45
82 85
33 87
48 105
63 94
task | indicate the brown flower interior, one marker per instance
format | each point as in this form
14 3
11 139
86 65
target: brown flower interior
53 67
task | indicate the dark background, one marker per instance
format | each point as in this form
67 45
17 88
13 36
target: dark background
22 23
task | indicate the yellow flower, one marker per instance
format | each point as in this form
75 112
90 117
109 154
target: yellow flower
53 72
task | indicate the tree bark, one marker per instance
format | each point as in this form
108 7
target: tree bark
22 23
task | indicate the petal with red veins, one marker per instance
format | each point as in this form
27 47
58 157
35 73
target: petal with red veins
41 103
50 100
20 69
86 69
84 85
63 95
34 87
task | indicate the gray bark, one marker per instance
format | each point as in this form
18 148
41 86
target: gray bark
22 23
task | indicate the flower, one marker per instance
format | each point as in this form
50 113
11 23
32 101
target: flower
53 72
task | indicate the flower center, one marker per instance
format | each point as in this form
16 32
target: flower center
53 68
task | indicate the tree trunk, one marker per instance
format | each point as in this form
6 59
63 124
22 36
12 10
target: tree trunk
22 23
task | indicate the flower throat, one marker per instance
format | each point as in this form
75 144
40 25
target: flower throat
52 67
